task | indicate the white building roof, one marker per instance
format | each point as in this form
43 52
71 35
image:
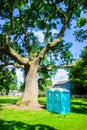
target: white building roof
60 89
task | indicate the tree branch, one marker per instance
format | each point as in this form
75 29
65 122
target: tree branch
12 53
67 15
11 19
61 12
13 64
58 66
55 42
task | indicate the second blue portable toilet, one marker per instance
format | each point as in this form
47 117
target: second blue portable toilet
58 100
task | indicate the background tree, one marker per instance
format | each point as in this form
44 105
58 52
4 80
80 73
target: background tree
80 68
21 87
8 80
19 22
78 74
81 32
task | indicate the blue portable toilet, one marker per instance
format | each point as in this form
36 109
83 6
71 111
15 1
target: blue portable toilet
49 96
58 100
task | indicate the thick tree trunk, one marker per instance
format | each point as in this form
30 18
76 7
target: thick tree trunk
30 96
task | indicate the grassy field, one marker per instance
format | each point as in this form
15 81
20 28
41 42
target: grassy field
12 119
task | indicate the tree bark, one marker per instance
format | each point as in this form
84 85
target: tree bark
30 96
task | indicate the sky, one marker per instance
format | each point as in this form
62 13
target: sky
20 78
60 76
77 46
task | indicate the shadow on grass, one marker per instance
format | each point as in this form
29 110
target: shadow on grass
79 107
13 125
10 101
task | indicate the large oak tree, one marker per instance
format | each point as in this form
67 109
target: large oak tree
19 21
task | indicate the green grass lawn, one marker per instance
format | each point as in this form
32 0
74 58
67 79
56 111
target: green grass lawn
12 119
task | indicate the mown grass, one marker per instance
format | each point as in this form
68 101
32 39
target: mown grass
12 119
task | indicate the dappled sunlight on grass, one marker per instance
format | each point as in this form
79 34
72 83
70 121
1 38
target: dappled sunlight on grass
79 106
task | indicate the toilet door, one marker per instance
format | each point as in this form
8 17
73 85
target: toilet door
49 102
57 102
